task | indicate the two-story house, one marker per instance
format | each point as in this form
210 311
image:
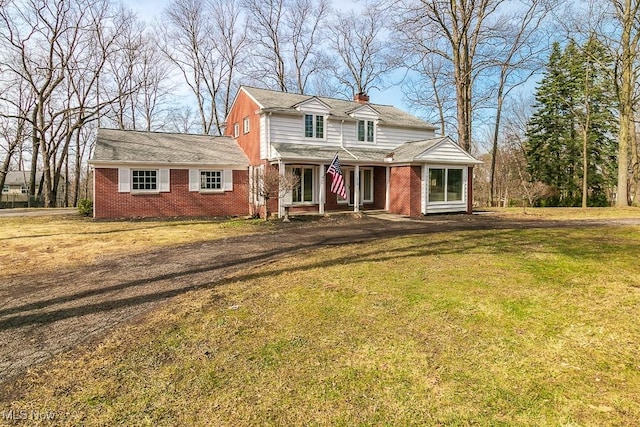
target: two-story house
390 160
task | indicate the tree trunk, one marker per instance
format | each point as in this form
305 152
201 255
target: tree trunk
626 93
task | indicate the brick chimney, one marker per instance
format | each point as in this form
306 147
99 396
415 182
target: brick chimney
361 98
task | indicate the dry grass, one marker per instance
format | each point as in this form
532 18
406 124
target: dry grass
568 213
499 327
45 243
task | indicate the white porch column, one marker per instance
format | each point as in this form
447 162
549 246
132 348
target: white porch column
356 189
281 171
322 190
387 187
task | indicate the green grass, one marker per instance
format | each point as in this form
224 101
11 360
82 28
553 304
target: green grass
510 327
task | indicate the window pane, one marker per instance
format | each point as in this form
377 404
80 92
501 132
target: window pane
308 184
319 127
454 185
367 185
360 130
210 180
308 125
296 195
143 180
436 185
370 131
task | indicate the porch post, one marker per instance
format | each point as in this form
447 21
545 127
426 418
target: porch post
281 171
356 189
323 190
387 186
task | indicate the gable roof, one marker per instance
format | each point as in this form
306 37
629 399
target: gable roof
14 178
125 146
282 102
433 150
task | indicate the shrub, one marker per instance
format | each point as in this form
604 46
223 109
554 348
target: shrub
85 207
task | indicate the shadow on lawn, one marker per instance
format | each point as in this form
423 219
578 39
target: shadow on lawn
497 237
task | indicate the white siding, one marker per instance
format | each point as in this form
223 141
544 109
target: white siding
386 137
447 152
290 129
314 106
263 136
366 113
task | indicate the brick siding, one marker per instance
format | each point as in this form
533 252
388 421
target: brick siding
405 191
179 202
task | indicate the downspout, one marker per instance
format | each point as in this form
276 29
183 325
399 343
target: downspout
342 141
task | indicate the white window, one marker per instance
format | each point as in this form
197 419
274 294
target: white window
366 185
366 130
304 190
5 189
446 185
211 180
236 130
245 125
313 126
144 180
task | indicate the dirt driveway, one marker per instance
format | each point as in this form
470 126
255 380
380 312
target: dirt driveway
44 314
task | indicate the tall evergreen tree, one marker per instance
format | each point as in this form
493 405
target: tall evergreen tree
573 126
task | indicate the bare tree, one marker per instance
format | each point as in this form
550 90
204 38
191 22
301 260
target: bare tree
433 91
516 58
286 36
205 42
455 30
268 183
364 57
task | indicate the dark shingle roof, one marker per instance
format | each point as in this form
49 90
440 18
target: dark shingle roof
123 146
389 115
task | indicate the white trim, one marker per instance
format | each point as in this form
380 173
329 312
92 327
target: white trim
314 184
124 180
322 192
314 126
194 180
157 165
387 198
143 191
164 180
227 180
246 125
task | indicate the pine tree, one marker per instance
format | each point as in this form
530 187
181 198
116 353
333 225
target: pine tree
573 118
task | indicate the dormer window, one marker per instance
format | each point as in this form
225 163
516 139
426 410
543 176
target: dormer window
366 130
313 126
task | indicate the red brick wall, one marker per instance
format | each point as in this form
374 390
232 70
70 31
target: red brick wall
179 202
250 142
379 187
404 190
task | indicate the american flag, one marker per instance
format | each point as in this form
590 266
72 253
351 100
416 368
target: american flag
337 179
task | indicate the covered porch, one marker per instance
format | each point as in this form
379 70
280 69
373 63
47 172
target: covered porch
365 173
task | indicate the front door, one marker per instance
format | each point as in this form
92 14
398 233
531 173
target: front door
366 185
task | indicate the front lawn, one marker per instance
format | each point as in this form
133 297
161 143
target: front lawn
498 327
